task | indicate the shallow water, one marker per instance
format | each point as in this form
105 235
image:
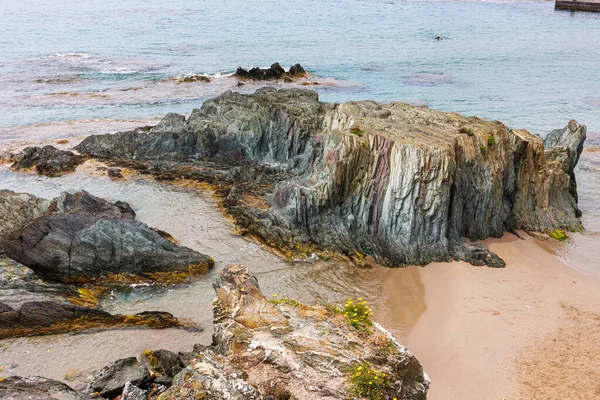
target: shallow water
193 218
519 62
86 68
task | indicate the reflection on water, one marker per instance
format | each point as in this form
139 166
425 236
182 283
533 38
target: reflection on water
397 296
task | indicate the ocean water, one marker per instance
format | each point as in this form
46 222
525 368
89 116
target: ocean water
520 62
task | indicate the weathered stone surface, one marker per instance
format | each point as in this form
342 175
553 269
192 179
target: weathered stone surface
401 183
47 160
36 388
289 351
272 73
564 146
111 380
132 392
79 236
17 210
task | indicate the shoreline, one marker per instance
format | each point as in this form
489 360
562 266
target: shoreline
484 332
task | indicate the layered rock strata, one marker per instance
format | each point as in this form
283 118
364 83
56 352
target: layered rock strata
404 184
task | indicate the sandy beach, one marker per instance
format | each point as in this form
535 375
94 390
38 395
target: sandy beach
529 331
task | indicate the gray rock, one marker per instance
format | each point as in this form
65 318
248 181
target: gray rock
563 147
111 380
401 183
114 173
131 392
82 236
17 210
47 160
165 364
36 388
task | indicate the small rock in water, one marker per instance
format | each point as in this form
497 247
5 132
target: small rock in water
47 160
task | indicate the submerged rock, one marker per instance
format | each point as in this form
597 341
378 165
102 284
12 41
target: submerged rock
80 237
274 72
47 160
401 183
288 350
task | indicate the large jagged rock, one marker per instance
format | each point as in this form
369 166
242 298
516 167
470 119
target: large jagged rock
47 160
36 388
81 237
266 351
401 183
564 146
111 380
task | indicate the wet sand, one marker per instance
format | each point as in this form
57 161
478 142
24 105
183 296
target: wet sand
529 331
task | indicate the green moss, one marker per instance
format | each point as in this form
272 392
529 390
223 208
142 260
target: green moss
358 314
357 132
491 139
483 150
284 300
559 234
468 131
367 382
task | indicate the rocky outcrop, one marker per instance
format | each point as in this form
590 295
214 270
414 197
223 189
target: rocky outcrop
288 350
36 388
404 184
265 350
563 147
80 237
274 72
46 160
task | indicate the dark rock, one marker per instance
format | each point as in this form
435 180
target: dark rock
36 388
132 392
114 173
81 236
47 160
274 72
297 70
395 181
111 380
165 364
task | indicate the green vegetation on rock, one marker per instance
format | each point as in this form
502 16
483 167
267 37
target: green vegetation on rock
368 382
559 234
284 300
491 139
358 314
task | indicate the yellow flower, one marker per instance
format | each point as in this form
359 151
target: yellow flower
274 295
359 368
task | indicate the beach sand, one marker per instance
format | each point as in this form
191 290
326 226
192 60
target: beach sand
528 331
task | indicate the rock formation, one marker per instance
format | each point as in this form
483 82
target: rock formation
274 72
404 184
264 350
46 160
82 237
276 350
563 147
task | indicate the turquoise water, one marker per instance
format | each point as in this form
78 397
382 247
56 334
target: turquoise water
519 62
